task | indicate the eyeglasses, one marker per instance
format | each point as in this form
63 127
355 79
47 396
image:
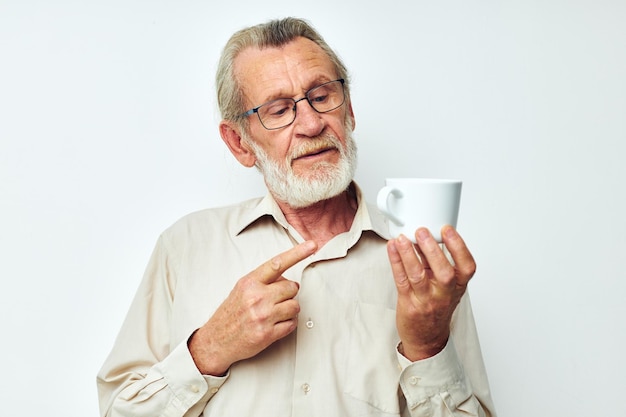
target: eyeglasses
281 112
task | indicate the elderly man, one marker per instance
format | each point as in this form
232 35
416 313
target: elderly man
296 304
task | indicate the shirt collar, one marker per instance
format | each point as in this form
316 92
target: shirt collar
367 217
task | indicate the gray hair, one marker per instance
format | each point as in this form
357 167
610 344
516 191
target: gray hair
274 33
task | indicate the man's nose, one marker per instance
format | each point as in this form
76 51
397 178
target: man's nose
308 121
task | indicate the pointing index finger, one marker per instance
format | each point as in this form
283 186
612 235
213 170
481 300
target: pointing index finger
273 269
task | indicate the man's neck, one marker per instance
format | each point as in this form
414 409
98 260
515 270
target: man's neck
323 220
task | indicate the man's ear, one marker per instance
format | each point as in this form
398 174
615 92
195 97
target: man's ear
232 138
351 115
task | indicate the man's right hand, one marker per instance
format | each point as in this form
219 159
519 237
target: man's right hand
259 311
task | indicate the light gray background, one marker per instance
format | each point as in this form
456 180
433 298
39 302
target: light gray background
108 134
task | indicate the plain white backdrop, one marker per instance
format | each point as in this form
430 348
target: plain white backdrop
108 134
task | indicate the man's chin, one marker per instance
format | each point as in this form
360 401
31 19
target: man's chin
305 188
315 192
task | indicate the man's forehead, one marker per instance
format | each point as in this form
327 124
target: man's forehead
279 71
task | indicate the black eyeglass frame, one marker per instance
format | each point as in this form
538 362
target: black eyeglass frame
295 104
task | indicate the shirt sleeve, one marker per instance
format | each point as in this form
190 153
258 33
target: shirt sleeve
453 382
172 388
143 376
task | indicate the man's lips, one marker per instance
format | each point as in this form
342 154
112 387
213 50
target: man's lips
315 152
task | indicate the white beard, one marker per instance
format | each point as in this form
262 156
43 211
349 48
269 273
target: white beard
325 180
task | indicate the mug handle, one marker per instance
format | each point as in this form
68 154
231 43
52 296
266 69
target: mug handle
382 202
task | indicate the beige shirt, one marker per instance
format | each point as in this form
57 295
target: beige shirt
341 361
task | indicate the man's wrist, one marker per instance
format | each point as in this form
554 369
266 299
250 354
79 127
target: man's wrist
417 353
203 358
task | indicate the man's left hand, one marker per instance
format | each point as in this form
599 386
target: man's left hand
430 287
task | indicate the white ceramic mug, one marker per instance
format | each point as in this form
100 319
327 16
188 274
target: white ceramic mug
411 203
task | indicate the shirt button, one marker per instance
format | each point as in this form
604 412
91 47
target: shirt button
214 390
310 324
306 388
413 380
195 389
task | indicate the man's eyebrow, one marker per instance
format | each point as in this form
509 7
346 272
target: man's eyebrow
322 79
316 82
277 96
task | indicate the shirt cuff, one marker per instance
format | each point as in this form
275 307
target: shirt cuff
440 375
183 378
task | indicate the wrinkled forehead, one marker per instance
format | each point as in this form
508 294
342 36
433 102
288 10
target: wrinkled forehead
269 73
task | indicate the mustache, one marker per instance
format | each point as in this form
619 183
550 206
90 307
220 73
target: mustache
314 145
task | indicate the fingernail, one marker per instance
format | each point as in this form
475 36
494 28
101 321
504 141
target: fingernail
448 232
422 233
